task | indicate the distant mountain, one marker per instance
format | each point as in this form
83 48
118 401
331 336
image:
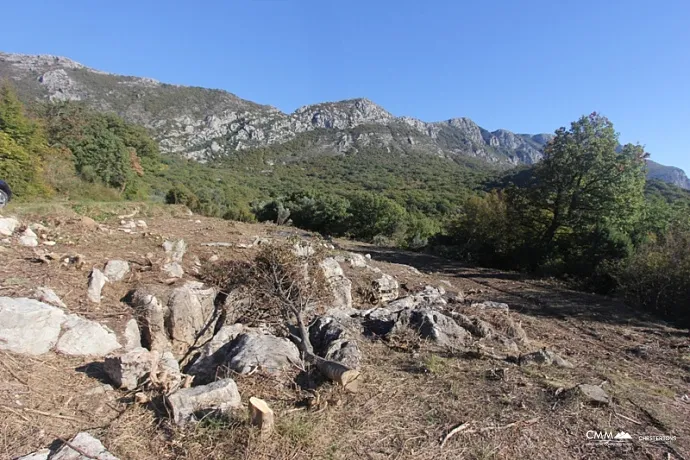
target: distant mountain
670 174
205 124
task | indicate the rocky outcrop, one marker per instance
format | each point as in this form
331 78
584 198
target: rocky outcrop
332 341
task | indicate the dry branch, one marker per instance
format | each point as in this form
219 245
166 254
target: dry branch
453 432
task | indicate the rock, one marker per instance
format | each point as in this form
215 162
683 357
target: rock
355 260
250 350
440 328
303 249
8 225
491 305
88 223
42 454
213 258
331 341
151 314
475 326
221 396
83 337
170 369
594 394
386 288
341 287
429 296
175 250
367 256
213 352
192 316
173 270
96 282
544 357
116 270
101 389
28 326
126 370
47 295
28 238
132 335
142 224
86 444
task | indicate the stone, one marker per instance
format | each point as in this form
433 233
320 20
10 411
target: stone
116 270
142 224
132 335
221 396
83 337
438 327
303 249
28 326
8 225
594 394
173 270
544 358
213 258
28 238
475 326
212 353
151 313
271 354
491 305
86 444
42 454
340 286
47 295
429 296
101 389
176 250
386 288
168 366
192 315
332 341
96 282
127 369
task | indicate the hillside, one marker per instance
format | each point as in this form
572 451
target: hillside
668 174
454 362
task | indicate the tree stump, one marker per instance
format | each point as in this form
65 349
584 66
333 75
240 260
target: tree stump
261 415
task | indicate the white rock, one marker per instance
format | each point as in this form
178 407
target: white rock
116 270
49 243
221 396
173 270
386 288
142 224
127 369
28 238
86 444
42 454
96 282
132 335
83 337
28 326
251 350
47 295
175 250
8 225
341 287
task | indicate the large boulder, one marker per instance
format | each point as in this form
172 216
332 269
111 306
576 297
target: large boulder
332 341
85 444
189 404
28 326
83 337
341 287
251 350
438 327
191 316
215 350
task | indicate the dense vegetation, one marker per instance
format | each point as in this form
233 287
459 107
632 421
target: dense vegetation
585 212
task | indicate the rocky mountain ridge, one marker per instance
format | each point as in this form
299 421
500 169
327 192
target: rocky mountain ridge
205 124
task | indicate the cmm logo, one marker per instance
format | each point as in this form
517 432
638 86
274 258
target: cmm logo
608 436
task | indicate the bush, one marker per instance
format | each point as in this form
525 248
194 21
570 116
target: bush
372 215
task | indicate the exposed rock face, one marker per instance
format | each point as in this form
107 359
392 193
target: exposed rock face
438 327
269 353
82 337
213 352
221 396
47 295
28 326
132 335
386 288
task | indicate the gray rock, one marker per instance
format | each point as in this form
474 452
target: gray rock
475 326
212 353
332 341
42 454
176 250
116 270
438 327
173 270
87 444
132 335
83 337
341 287
101 389
386 288
151 315
126 370
544 358
96 282
28 238
429 297
169 366
8 225
47 295
28 326
221 396
192 315
250 350
491 305
594 394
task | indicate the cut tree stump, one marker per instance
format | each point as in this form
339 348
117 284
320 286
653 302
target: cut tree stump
261 415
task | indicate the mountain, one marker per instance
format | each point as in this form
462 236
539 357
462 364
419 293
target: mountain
206 124
669 174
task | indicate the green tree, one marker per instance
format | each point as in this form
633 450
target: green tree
373 215
13 119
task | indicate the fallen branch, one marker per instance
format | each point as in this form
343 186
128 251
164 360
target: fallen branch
77 449
627 418
48 414
453 432
504 427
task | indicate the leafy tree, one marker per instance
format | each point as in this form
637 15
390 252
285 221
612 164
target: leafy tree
373 214
13 119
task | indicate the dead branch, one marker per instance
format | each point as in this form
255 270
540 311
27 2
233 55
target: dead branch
453 432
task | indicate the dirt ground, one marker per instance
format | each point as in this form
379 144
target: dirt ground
413 393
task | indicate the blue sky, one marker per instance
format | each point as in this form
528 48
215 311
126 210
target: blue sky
527 66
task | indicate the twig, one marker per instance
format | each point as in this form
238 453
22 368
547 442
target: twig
13 374
510 425
77 449
9 409
453 432
627 418
48 414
